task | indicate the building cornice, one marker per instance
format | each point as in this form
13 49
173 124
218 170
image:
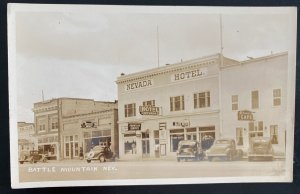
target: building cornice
203 61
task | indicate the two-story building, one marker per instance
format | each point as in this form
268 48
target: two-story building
254 100
202 99
48 118
162 106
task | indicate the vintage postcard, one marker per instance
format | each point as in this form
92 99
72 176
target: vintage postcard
138 95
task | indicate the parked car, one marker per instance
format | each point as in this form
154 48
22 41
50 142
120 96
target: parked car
32 156
101 153
260 148
189 149
224 149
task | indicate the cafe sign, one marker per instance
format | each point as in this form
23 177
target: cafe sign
149 110
245 115
134 126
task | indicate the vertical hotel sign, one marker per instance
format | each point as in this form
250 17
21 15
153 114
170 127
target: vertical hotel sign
186 75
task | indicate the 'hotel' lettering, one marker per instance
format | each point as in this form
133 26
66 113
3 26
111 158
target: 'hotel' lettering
189 74
139 84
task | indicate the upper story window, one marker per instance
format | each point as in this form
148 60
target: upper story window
130 110
276 97
54 123
255 99
41 124
149 103
202 100
177 103
235 102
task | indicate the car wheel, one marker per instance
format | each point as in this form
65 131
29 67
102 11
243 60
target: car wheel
178 159
229 157
88 161
44 160
102 158
21 162
31 161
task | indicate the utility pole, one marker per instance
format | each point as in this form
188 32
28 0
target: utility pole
43 96
221 40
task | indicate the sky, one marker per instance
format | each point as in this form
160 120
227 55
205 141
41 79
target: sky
81 54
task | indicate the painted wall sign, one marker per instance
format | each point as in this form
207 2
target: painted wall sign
149 110
245 115
134 126
184 123
88 124
139 84
189 74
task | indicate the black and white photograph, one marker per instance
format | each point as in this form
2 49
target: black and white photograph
150 95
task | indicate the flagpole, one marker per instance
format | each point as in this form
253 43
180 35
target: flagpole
221 39
157 44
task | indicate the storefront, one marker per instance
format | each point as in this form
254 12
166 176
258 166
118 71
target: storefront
49 146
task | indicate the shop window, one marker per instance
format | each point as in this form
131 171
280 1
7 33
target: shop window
177 103
129 146
149 103
175 139
239 136
130 110
276 97
274 134
255 99
202 100
235 102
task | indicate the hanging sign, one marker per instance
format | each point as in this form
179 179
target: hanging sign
149 110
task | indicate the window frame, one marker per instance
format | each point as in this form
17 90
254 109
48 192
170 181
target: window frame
127 109
173 102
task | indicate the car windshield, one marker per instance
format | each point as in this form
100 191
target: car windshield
260 144
187 145
222 142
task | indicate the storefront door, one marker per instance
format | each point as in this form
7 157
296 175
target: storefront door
145 144
71 147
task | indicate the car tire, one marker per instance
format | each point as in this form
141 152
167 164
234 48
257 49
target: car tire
101 158
31 161
178 159
88 161
21 162
229 157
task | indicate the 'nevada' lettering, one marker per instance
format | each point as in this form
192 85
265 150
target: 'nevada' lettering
139 84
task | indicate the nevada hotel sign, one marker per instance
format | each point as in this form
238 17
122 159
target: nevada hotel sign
139 84
192 74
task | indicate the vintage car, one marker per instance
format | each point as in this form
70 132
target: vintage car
260 148
189 149
101 153
32 156
224 149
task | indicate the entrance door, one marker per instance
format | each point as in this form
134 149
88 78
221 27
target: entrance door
71 147
145 144
146 148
